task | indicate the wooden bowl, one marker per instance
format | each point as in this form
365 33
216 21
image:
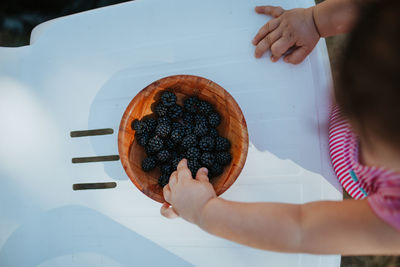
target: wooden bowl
233 127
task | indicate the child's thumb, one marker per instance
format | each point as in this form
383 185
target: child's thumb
274 11
297 56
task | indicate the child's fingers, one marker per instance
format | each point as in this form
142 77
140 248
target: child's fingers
266 43
280 47
183 170
274 11
297 56
264 30
168 212
182 165
202 175
173 179
167 193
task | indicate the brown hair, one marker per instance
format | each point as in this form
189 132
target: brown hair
368 89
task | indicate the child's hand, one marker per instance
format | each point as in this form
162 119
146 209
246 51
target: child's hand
292 31
187 196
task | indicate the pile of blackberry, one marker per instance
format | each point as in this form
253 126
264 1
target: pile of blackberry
177 132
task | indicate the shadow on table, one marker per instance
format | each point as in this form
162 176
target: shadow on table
70 230
275 136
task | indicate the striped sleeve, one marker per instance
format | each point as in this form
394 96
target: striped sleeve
340 146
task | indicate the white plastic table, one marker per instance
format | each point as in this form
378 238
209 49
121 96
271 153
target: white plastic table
81 71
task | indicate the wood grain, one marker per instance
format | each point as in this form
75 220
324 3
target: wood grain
233 127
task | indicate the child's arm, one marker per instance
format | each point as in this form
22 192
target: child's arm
325 227
294 33
334 17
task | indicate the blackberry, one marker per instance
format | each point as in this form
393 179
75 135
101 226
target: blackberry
168 99
223 158
173 154
166 169
189 141
206 143
163 180
151 124
142 138
176 125
175 112
139 126
168 144
200 119
193 153
164 120
188 129
194 166
200 129
214 119
222 144
148 164
177 135
181 151
163 130
190 104
163 155
154 144
161 110
215 170
207 159
134 124
213 132
177 132
187 118
149 150
204 108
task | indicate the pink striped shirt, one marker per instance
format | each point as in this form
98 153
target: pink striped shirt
380 186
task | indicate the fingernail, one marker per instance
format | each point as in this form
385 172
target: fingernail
273 59
286 60
205 170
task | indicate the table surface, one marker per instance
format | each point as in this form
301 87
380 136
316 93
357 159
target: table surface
81 71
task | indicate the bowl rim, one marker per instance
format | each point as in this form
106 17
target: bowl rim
124 151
